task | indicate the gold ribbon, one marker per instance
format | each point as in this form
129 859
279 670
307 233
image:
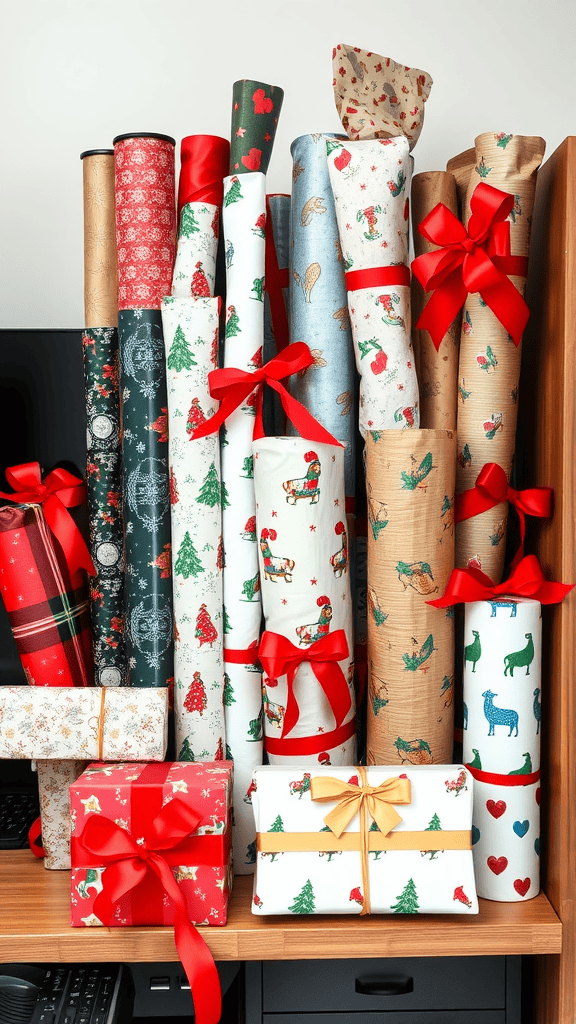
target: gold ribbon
326 842
364 798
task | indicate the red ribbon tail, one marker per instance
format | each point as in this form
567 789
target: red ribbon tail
442 307
228 405
306 425
333 682
508 306
71 540
292 712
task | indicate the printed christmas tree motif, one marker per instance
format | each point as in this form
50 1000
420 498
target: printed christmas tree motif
274 568
415 477
219 755
487 361
374 828
377 512
434 826
234 193
307 486
301 786
248 468
369 215
408 415
228 693
277 826
250 588
187 562
256 728
173 488
258 289
457 785
200 285
332 145
313 272
220 558
160 425
196 697
502 139
180 356
162 562
206 631
251 854
396 187
196 417
462 393
418 658
339 560
407 900
413 751
482 169
498 532
224 503
215 223
314 631
447 691
214 349
228 254
274 712
232 323
259 228
251 403
256 360
328 853
227 628
516 210
304 901
493 425
188 223
391 317
467 324
464 457
379 616
229 754
210 493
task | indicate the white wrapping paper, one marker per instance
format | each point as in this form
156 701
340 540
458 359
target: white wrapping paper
244 214
54 779
305 573
195 265
371 182
436 882
191 339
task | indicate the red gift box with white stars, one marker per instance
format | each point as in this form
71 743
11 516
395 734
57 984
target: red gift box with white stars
131 796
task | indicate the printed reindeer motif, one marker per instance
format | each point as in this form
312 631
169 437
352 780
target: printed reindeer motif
499 716
307 486
314 631
274 568
339 560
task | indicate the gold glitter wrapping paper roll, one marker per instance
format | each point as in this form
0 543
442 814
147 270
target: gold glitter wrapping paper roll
489 367
410 478
437 371
100 272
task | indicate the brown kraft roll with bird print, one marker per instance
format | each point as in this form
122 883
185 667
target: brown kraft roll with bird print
437 370
489 367
410 478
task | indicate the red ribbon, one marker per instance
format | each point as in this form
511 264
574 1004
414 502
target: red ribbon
128 861
476 259
232 386
59 491
378 277
527 580
276 280
494 779
305 746
242 656
491 488
204 160
278 657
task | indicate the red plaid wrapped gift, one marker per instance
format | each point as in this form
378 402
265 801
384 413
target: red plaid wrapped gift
43 559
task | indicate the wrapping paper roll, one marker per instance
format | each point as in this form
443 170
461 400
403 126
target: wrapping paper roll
54 778
502 710
255 111
489 367
276 331
304 568
244 214
461 168
437 371
318 305
145 235
100 274
191 333
204 164
371 182
410 485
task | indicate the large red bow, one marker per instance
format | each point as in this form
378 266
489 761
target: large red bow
527 580
278 657
127 861
59 491
232 386
491 488
473 260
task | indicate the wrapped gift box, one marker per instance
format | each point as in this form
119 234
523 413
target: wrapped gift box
422 865
131 796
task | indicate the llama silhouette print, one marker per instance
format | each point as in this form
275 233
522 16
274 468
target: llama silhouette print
499 716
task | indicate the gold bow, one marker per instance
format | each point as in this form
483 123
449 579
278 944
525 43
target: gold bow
351 798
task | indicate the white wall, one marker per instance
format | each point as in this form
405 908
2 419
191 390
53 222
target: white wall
75 73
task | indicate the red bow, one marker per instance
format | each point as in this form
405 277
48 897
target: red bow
127 861
491 488
527 580
59 491
279 657
473 260
232 386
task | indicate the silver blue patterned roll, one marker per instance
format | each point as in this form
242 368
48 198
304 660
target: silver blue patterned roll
318 304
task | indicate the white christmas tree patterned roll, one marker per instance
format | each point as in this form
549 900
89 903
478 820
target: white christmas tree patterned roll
305 573
191 339
506 838
371 183
243 222
195 266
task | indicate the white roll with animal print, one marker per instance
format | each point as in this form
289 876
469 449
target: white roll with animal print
502 655
304 569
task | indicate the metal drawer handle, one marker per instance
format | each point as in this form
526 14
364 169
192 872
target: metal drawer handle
397 985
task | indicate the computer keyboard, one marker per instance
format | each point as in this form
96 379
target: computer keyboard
17 812
66 994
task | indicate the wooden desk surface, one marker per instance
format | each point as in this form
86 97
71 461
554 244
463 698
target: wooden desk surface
34 914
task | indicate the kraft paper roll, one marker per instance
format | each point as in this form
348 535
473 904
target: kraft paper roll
54 779
100 274
276 333
489 367
410 491
318 302
437 371
461 168
255 111
305 574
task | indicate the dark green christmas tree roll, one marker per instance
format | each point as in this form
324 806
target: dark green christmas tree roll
255 111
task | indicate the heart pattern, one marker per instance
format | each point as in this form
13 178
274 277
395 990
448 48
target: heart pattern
342 160
262 103
521 828
537 795
496 808
253 159
475 835
497 865
522 885
537 846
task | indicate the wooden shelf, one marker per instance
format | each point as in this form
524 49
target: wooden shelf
34 914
